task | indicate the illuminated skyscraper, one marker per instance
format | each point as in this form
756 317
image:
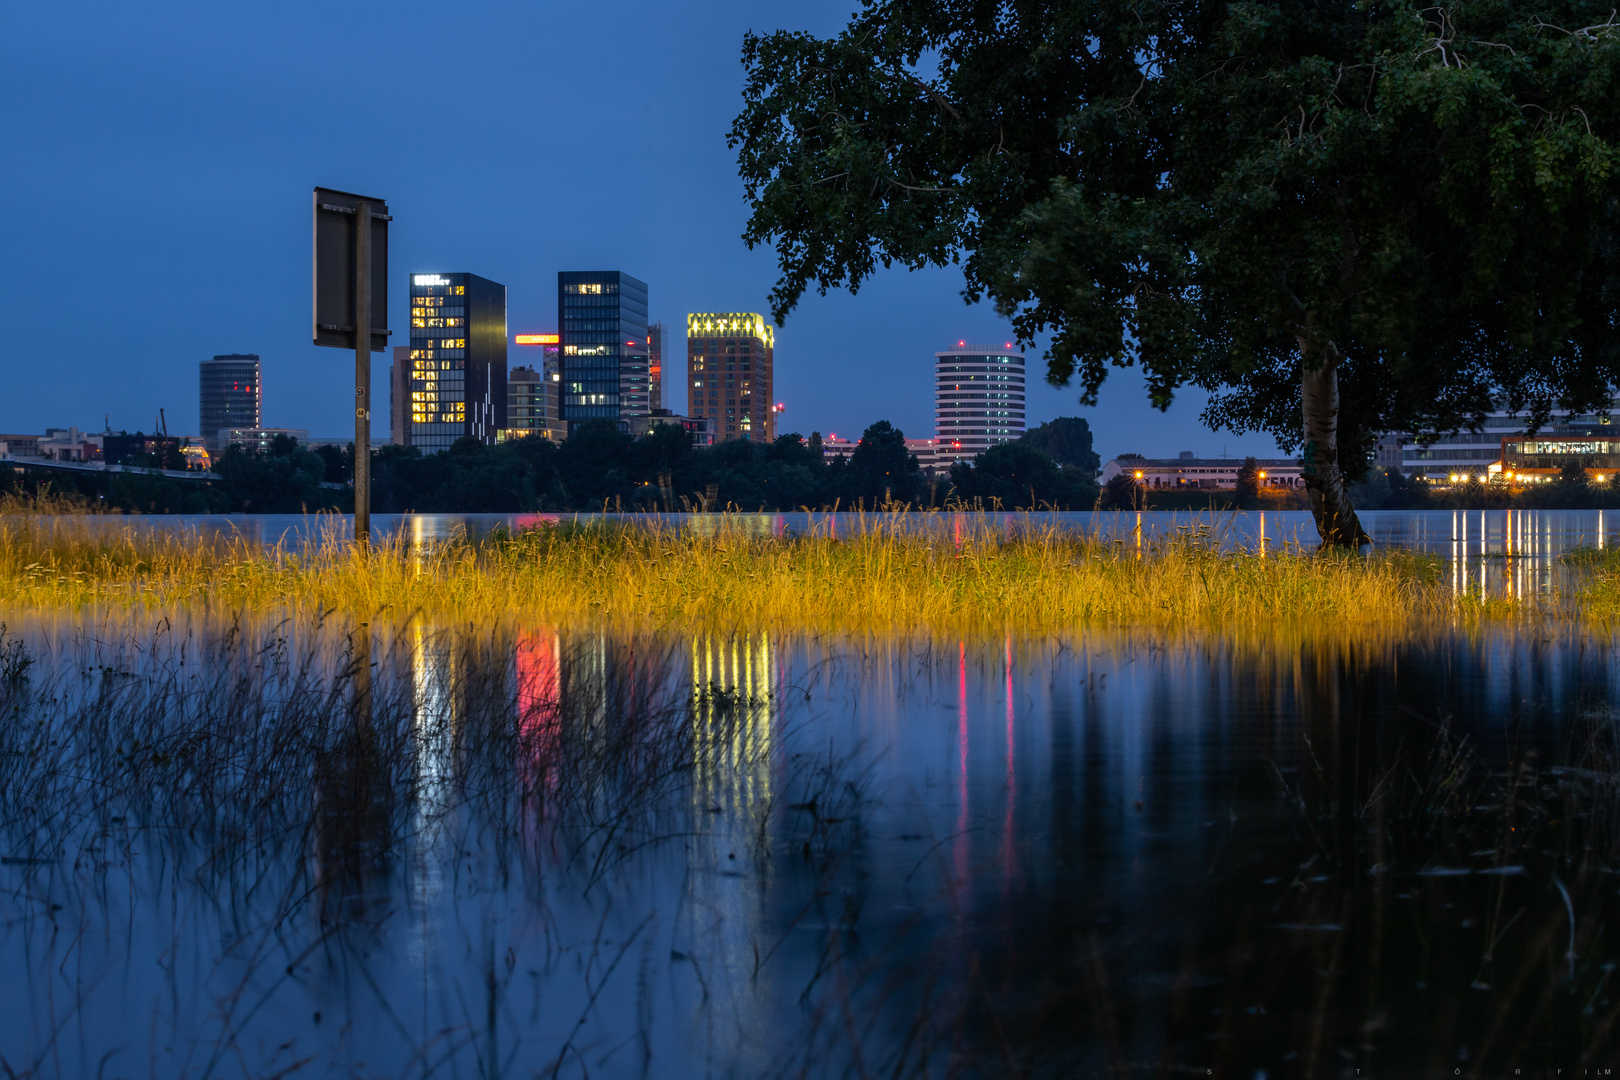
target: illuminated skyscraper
458 360
978 399
730 358
230 395
603 316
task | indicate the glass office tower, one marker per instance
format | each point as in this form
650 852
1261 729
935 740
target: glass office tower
603 316
730 366
231 395
458 360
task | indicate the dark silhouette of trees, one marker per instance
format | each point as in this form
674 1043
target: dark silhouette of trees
1016 476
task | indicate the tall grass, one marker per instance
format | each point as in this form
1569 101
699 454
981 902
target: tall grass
886 573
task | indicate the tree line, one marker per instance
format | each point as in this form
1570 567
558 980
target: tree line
599 467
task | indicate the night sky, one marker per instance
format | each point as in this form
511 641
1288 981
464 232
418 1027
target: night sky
156 177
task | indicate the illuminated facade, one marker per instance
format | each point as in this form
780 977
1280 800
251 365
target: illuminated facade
730 371
458 360
231 395
1473 455
603 317
1532 457
978 399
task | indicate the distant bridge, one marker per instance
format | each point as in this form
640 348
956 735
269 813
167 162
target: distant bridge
103 467
140 470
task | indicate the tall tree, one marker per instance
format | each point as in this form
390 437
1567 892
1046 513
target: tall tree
1341 217
881 470
1068 440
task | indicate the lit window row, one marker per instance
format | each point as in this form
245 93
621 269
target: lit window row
419 321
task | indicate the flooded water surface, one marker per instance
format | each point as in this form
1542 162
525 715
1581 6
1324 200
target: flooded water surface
274 849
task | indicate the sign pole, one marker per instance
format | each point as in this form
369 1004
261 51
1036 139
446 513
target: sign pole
362 376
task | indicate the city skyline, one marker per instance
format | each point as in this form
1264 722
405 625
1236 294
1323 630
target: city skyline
193 122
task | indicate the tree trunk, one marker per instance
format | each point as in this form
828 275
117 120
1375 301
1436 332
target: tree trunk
1336 520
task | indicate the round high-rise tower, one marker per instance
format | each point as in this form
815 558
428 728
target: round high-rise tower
978 399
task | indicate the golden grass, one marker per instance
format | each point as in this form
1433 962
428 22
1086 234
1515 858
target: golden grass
887 575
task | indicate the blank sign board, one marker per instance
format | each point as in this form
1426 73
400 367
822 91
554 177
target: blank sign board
335 233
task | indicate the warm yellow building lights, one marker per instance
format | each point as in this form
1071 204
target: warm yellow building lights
731 324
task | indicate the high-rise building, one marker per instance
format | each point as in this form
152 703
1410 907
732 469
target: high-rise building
730 359
231 395
655 367
603 326
399 394
458 360
531 404
978 399
533 393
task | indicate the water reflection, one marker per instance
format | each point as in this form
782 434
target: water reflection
733 692
573 853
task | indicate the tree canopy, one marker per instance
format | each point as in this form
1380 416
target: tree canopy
1340 217
1068 440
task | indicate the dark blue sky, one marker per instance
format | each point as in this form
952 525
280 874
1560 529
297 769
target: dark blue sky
155 201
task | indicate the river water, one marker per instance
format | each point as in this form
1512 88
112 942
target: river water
229 848
532 850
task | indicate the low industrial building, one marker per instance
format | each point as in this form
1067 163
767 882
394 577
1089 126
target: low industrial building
259 438
1187 471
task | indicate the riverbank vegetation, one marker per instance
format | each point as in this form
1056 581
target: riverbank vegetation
877 572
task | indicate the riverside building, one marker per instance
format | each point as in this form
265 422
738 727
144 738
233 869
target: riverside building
1187 470
730 370
603 327
231 395
978 400
457 360
1502 445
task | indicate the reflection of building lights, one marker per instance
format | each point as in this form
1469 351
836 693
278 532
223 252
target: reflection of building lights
732 683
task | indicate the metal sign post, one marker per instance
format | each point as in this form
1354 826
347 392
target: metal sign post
362 378
351 311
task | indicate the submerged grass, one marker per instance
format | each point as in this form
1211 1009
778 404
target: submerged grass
888 572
